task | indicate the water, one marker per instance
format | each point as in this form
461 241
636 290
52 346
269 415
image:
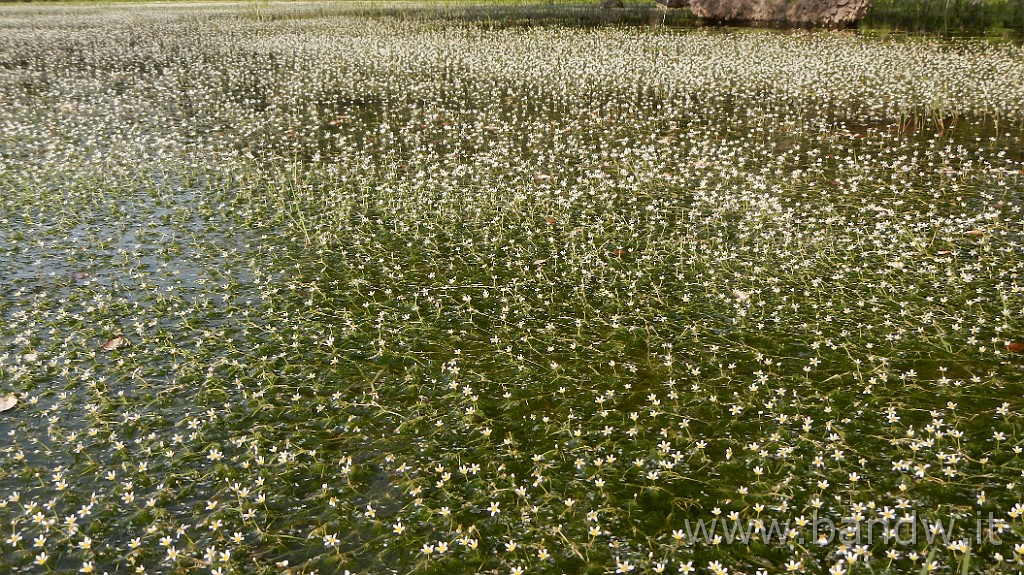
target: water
419 291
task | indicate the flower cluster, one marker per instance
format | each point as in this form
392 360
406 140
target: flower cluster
308 288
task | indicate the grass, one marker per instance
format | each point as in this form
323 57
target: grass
947 16
994 17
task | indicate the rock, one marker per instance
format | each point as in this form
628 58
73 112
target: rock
673 3
802 12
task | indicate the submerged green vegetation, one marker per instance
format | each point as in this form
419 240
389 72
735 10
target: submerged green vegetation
304 289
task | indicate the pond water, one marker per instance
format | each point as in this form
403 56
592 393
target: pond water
408 292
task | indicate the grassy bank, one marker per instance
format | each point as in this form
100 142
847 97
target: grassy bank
929 16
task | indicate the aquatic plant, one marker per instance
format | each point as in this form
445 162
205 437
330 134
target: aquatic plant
326 290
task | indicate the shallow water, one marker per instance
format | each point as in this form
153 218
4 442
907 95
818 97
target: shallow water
410 292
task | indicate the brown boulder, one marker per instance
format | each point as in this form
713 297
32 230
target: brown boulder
803 12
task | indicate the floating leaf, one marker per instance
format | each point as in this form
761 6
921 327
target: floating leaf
116 342
7 402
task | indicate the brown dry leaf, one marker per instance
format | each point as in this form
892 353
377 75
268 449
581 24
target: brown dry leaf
116 342
1015 346
7 402
741 295
975 233
539 262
